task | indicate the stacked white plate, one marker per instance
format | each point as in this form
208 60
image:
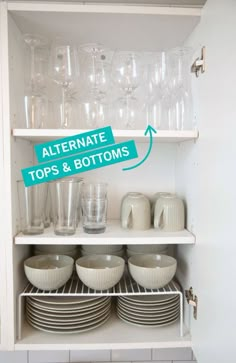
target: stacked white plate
149 310
68 250
67 315
116 250
146 249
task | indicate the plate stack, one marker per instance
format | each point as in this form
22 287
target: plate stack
145 249
116 250
149 310
68 250
67 315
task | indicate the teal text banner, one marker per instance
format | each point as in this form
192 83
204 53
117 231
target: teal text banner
74 144
77 164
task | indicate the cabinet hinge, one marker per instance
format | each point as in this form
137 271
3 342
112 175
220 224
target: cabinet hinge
199 64
192 300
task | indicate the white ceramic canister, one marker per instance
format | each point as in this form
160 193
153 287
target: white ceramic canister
169 214
135 211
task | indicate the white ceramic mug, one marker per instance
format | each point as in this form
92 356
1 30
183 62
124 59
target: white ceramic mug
135 212
154 199
169 214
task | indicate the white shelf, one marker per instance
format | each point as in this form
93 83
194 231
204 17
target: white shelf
41 135
148 23
114 234
114 334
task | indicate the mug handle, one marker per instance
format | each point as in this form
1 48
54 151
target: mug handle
159 209
125 217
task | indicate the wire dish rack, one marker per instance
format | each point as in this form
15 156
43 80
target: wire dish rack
126 287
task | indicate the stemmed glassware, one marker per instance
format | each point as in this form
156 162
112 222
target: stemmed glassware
35 98
157 73
127 74
95 80
126 89
64 71
180 103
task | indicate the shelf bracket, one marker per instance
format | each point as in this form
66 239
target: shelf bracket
192 300
199 64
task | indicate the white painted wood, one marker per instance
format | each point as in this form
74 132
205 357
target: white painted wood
102 8
206 177
167 136
185 3
115 334
2 244
17 154
114 234
86 23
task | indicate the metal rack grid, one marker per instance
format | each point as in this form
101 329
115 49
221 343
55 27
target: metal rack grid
74 287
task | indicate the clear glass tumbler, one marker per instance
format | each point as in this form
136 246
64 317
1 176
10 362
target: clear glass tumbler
32 203
64 199
94 208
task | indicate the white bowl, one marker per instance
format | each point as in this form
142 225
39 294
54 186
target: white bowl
48 272
119 253
147 248
131 253
152 271
102 249
74 253
100 272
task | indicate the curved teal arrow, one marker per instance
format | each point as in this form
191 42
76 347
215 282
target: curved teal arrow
149 130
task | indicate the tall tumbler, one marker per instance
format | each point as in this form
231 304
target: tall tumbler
32 202
64 199
94 207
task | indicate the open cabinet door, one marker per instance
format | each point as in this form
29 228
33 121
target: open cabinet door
206 178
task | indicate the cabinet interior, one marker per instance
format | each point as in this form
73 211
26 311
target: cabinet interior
164 170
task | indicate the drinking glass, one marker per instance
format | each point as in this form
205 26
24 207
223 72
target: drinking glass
127 111
96 73
127 73
127 70
65 113
32 203
181 109
94 111
35 99
64 70
47 212
94 207
36 111
64 199
36 62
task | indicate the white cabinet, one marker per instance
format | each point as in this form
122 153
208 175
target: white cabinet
201 170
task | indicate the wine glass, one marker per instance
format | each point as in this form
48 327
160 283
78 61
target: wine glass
36 60
157 73
64 71
35 98
95 112
96 73
180 88
127 74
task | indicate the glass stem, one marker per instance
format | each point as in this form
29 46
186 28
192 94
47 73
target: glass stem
63 109
32 50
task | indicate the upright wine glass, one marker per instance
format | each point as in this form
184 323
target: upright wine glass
64 70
